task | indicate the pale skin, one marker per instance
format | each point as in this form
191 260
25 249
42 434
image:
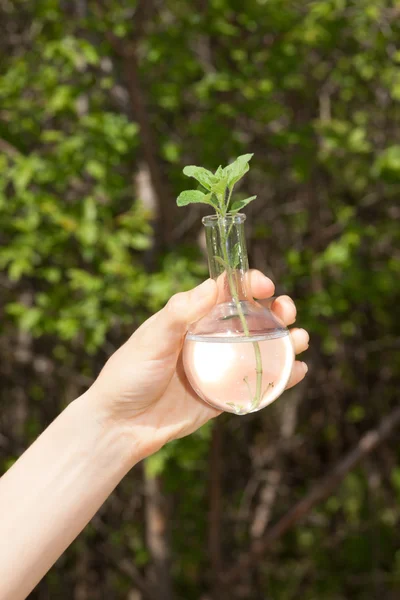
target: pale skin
140 401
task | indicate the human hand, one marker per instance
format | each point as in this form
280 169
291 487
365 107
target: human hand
143 385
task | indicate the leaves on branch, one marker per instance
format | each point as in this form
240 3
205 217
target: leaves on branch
203 176
220 184
239 204
193 197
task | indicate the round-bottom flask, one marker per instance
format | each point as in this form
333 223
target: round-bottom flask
239 357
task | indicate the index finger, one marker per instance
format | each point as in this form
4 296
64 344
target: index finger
261 286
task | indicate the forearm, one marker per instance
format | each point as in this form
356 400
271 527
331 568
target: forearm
54 489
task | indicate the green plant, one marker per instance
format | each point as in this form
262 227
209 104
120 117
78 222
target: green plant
216 190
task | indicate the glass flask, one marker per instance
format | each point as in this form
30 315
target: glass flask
239 357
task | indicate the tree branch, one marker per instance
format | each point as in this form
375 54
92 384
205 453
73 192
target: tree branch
269 493
159 570
165 204
126 49
319 492
215 507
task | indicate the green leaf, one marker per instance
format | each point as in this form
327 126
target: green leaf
140 241
96 169
61 99
203 176
171 151
202 189
220 187
239 204
235 259
89 52
192 197
24 171
15 309
221 262
219 171
20 266
68 327
237 169
388 163
30 318
155 464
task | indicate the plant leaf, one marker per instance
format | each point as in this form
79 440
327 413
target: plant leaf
221 262
219 171
203 176
235 255
213 200
220 186
237 169
192 197
239 204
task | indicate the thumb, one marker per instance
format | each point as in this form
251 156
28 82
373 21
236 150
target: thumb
185 308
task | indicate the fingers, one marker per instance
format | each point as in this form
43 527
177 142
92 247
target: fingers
163 332
187 307
298 373
285 309
261 286
300 339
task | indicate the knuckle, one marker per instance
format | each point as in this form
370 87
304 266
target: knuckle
176 304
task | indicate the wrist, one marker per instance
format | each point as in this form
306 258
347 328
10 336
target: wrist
69 471
129 440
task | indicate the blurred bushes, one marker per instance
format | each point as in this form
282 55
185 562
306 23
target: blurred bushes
94 131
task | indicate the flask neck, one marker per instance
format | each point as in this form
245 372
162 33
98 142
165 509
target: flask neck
227 256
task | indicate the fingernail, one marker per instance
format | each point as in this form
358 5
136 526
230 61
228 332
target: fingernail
203 290
305 367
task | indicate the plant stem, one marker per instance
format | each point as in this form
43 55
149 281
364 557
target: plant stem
232 286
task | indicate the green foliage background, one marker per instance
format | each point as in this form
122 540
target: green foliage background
101 105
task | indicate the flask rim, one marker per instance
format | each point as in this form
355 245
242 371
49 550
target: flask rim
211 220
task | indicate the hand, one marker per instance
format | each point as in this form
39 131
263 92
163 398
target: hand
144 384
